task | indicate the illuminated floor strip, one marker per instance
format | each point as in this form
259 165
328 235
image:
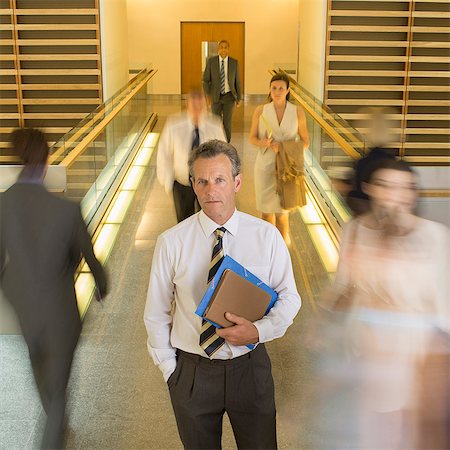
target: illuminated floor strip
104 179
115 216
320 234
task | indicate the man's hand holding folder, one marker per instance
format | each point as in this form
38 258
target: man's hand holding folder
234 299
242 333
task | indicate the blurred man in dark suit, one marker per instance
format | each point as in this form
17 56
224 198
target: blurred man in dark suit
42 238
222 85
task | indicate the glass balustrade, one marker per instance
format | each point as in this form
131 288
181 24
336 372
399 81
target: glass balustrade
105 149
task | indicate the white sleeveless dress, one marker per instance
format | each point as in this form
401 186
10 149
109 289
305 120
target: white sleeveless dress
267 199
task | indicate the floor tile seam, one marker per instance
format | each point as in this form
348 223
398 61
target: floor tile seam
39 418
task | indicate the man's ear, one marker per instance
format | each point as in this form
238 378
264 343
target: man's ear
237 182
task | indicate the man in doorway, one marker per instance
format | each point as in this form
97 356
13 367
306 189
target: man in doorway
208 371
222 85
181 134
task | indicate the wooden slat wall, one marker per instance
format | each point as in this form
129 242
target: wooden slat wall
428 81
10 108
395 54
50 65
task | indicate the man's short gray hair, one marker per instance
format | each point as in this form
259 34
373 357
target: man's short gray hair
213 148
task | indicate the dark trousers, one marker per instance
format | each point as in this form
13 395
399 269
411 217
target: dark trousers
202 390
224 109
51 364
185 201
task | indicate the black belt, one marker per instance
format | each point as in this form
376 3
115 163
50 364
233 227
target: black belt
205 360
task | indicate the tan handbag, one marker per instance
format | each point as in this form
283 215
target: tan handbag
290 174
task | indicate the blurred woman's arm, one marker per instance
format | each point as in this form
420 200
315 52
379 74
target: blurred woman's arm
344 278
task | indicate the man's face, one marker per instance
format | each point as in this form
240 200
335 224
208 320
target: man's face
393 190
196 106
223 50
215 187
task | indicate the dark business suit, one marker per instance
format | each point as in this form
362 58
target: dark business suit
42 239
222 105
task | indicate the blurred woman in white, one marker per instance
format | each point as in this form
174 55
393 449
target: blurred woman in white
394 270
274 122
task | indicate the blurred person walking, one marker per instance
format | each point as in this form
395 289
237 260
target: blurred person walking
182 134
276 121
42 238
392 287
222 85
378 137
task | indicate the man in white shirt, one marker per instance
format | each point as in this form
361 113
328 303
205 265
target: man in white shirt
232 378
181 133
222 84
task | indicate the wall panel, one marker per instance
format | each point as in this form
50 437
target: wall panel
393 54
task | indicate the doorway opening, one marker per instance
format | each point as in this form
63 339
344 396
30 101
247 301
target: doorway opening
199 41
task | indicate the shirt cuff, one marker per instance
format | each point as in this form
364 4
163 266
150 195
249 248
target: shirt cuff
168 367
265 330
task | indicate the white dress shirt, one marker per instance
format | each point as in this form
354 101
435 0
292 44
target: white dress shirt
175 145
178 282
225 66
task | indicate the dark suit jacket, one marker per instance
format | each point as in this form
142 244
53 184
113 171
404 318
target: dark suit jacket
42 238
211 78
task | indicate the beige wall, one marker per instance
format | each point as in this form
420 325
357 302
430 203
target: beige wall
313 25
114 38
154 36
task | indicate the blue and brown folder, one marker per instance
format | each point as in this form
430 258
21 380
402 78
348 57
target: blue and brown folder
236 290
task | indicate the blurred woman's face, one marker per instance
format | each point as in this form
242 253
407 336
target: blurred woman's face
393 190
278 90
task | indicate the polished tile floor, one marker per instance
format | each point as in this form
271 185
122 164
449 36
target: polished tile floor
117 398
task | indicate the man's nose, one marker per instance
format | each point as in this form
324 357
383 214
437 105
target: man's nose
209 190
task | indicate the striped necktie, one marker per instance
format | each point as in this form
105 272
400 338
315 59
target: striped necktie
196 139
209 341
222 78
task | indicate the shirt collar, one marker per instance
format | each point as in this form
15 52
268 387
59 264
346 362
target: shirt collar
201 121
32 174
209 226
225 60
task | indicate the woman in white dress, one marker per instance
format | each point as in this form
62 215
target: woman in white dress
274 122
